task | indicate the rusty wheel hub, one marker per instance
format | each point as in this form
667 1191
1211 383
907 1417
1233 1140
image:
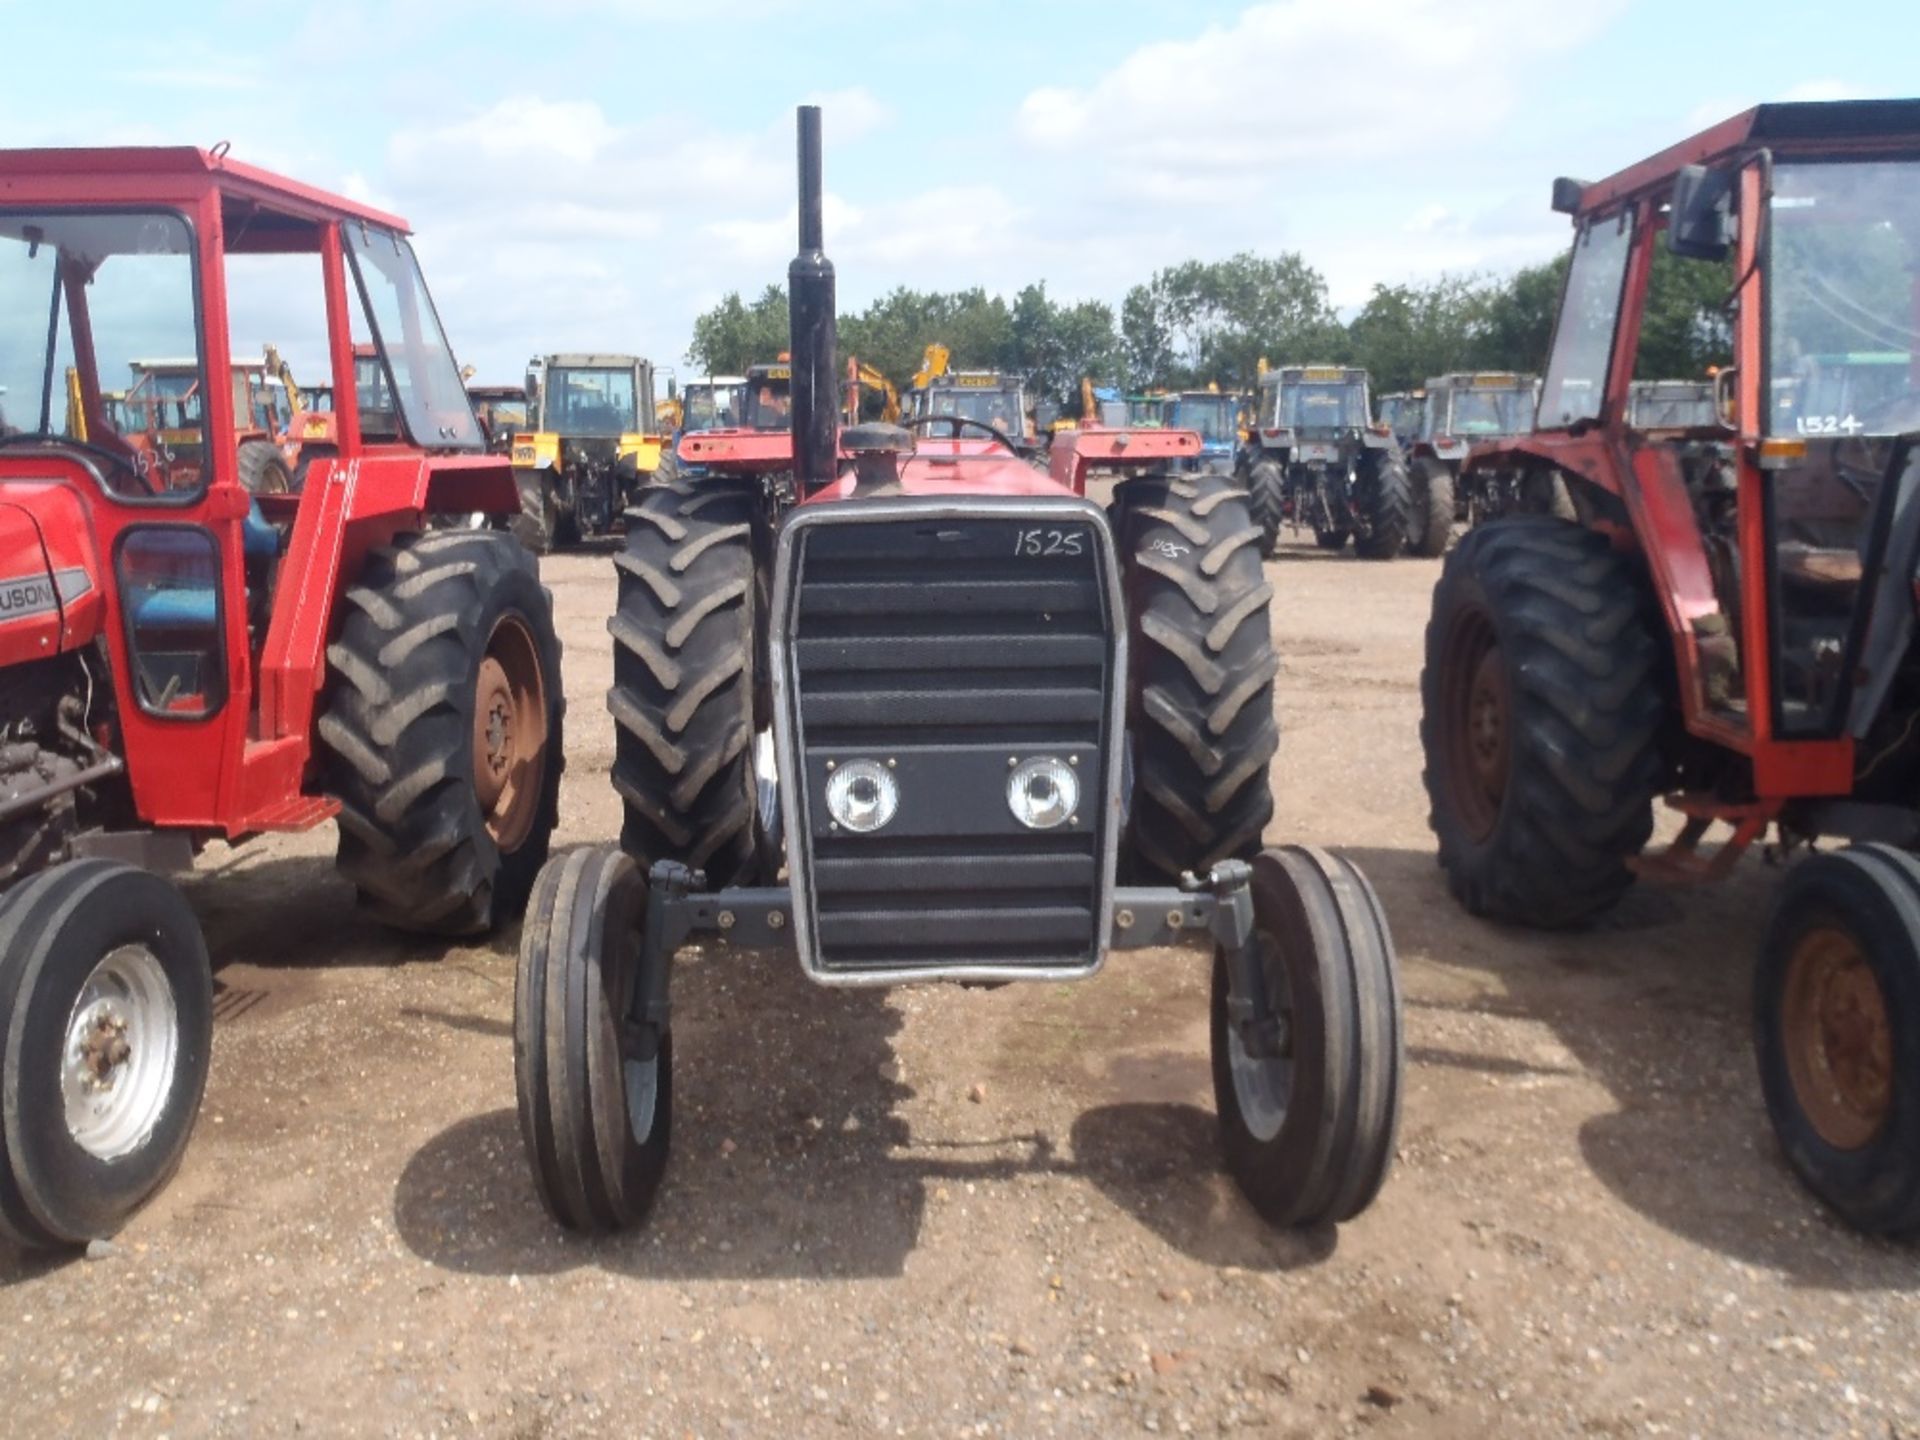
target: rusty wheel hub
509 733
1838 1040
1476 705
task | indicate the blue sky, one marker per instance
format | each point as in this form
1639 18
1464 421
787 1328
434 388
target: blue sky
591 174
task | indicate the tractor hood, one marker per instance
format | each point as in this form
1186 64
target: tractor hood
50 597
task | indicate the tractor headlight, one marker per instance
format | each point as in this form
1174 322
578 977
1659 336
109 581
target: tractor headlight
862 795
1043 792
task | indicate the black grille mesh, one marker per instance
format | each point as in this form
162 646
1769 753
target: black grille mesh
930 642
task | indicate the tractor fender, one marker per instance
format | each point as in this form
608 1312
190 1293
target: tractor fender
50 593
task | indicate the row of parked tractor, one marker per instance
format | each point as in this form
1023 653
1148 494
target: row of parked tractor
898 699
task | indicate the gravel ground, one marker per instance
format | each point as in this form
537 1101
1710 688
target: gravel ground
963 1212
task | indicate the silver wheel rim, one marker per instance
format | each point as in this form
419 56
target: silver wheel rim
122 1047
1262 1086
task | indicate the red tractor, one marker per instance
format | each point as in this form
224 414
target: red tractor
182 660
941 718
1728 618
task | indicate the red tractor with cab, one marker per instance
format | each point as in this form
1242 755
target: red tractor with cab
937 716
182 659
1723 615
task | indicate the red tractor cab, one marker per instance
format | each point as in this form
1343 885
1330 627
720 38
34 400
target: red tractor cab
895 702
182 658
1722 613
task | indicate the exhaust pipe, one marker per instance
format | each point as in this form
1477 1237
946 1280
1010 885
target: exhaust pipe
813 340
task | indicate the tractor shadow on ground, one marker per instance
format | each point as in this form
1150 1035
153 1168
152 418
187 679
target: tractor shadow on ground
1654 1002
790 1161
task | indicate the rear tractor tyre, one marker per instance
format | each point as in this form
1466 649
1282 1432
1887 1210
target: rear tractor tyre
595 1088
1837 1032
442 731
1267 500
1308 1134
1433 507
537 522
1542 700
684 678
1385 501
1200 696
106 1027
263 470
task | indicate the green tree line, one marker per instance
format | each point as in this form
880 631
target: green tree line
1211 322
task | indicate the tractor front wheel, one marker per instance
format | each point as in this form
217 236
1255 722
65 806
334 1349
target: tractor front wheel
1200 696
107 1004
442 730
1542 700
1267 500
1837 1032
594 1079
1308 1114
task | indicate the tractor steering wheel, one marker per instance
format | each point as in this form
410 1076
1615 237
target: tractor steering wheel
956 423
67 442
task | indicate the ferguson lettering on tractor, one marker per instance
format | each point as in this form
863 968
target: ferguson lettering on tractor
989 732
1318 460
1736 636
181 659
588 448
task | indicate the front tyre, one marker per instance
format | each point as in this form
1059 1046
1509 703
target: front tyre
1542 700
441 729
1308 1132
106 1026
594 1084
1837 1032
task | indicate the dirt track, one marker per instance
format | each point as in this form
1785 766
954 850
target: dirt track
1587 1232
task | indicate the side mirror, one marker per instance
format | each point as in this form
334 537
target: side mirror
1723 396
1567 195
1700 226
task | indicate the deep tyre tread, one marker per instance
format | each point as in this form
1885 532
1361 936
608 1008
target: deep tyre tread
1328 1156
684 676
1433 495
1586 689
397 730
1872 894
1266 500
55 927
1200 696
534 525
263 470
1384 497
597 1164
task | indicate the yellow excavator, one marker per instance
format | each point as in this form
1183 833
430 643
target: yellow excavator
862 376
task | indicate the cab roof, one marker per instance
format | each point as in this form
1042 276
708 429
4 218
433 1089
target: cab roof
164 174
1799 127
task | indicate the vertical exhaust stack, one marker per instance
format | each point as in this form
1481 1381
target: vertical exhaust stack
813 339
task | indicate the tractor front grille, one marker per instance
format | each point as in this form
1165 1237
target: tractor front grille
948 642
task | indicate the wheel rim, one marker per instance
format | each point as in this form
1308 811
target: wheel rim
1838 1040
1476 710
122 1047
1263 1085
510 733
